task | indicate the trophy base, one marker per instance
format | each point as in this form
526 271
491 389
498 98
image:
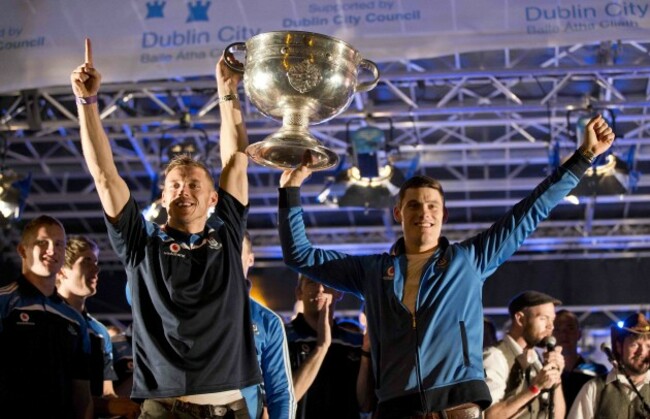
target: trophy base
283 150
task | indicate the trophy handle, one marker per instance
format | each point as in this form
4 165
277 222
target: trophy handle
368 85
228 54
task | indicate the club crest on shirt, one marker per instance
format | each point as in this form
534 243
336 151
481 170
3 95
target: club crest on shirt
72 330
389 275
214 244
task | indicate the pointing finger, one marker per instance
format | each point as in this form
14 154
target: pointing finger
89 53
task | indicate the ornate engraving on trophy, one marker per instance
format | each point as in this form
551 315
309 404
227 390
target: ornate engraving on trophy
304 76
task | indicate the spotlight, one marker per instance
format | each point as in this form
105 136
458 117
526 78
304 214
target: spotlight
609 174
371 182
155 213
13 193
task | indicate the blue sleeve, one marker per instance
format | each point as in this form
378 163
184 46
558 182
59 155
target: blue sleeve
109 370
489 249
336 269
276 370
83 355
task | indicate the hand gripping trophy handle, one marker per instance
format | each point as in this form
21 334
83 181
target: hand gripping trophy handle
228 53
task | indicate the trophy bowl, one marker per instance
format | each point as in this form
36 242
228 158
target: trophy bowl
300 79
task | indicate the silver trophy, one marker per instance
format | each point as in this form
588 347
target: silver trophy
299 78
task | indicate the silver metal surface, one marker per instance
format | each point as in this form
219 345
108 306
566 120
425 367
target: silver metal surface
300 79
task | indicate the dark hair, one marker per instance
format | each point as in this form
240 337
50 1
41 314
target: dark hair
32 226
420 181
530 299
568 314
489 333
75 246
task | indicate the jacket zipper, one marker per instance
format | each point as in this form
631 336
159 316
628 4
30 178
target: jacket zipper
418 372
423 400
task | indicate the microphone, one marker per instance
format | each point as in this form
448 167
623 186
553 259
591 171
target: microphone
549 342
610 355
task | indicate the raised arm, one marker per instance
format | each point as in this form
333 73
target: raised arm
366 379
305 375
113 191
233 139
492 247
335 269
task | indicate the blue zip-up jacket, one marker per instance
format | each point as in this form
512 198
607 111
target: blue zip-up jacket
101 353
432 360
273 356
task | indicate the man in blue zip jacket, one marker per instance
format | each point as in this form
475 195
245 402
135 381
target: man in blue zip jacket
424 301
272 351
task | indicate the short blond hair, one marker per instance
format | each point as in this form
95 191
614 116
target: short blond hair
185 160
77 245
30 229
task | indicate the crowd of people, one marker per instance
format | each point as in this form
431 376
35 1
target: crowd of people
201 347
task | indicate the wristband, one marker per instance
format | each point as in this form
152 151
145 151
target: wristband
86 100
228 98
365 353
534 389
587 155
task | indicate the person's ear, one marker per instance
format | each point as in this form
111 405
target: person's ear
214 198
519 318
21 250
162 200
445 214
618 349
397 214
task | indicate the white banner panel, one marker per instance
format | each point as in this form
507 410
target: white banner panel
41 41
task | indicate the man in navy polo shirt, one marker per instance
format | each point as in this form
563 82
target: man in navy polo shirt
44 344
193 353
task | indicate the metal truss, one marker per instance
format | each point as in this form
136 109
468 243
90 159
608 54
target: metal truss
488 124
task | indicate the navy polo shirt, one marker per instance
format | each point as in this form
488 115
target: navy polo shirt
191 315
44 346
